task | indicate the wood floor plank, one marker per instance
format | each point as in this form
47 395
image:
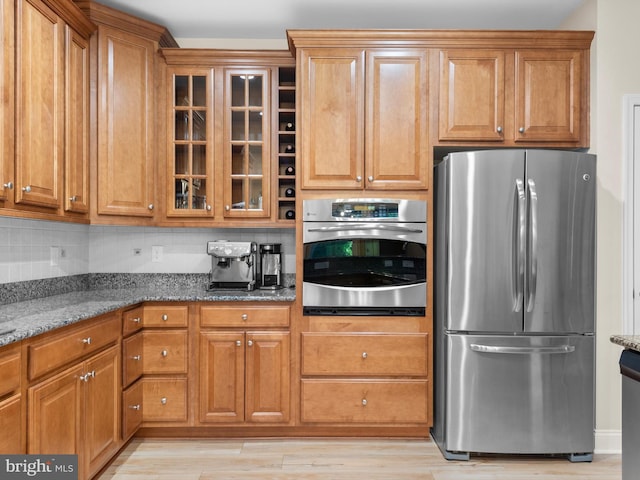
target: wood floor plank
335 459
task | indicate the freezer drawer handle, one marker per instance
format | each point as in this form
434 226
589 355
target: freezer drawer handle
521 350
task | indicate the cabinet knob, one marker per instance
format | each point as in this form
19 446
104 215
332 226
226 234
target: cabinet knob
370 178
136 358
74 198
163 401
364 402
136 320
87 341
358 178
208 208
150 207
134 407
250 343
164 353
227 208
165 317
244 316
499 129
8 185
521 129
364 355
88 375
26 189
238 343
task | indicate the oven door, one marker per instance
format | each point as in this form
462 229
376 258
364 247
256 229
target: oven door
364 268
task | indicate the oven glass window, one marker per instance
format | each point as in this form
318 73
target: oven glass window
365 262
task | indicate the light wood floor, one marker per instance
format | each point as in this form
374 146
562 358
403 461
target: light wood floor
157 459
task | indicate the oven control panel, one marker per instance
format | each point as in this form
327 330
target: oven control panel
364 210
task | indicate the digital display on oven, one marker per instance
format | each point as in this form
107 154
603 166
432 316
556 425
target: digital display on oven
364 210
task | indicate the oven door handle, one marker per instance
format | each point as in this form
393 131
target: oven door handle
347 228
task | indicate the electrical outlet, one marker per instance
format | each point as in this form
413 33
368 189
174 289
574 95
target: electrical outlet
156 253
137 252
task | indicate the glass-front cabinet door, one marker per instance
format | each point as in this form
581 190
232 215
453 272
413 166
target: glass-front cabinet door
190 175
247 145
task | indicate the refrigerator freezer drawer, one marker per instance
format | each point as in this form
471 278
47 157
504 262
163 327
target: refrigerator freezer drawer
520 394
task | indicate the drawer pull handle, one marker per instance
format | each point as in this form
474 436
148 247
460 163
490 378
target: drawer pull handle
88 375
364 402
244 317
238 343
163 400
164 353
87 340
134 407
136 320
136 357
165 317
250 343
364 355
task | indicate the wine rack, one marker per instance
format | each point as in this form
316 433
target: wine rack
286 143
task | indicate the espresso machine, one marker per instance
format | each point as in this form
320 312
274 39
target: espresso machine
270 266
233 264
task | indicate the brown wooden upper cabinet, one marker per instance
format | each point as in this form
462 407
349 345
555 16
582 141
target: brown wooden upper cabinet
362 113
516 96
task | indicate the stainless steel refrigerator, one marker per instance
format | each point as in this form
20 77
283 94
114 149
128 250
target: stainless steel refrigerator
514 304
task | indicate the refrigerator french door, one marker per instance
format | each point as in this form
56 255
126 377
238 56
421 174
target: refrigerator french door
515 303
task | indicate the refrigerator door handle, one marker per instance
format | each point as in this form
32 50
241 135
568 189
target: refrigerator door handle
520 244
521 350
533 244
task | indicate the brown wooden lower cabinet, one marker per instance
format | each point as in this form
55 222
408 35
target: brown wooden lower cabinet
78 411
164 399
131 410
11 440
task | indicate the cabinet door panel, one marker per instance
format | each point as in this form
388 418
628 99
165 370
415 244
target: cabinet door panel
472 95
222 377
7 95
102 408
12 439
267 374
76 175
164 352
396 127
125 123
548 96
40 94
332 114
55 414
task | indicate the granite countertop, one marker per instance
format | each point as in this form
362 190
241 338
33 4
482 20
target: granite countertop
28 318
627 341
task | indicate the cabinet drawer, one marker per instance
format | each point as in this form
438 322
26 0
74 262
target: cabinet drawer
54 351
9 369
364 354
164 399
166 316
362 401
164 351
132 321
131 410
132 359
245 316
11 440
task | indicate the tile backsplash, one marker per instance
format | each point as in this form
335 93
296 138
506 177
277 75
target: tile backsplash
36 249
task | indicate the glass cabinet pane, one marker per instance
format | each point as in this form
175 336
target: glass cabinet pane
181 160
238 126
238 159
255 160
255 193
255 126
181 87
199 125
237 193
182 125
199 91
238 90
255 90
199 160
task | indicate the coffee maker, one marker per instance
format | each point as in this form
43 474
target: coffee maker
233 264
270 266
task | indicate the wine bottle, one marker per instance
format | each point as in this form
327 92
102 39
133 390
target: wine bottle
290 170
290 149
290 127
290 214
289 192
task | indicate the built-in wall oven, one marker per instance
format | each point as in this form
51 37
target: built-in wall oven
364 257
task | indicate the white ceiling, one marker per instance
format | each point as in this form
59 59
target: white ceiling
269 19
